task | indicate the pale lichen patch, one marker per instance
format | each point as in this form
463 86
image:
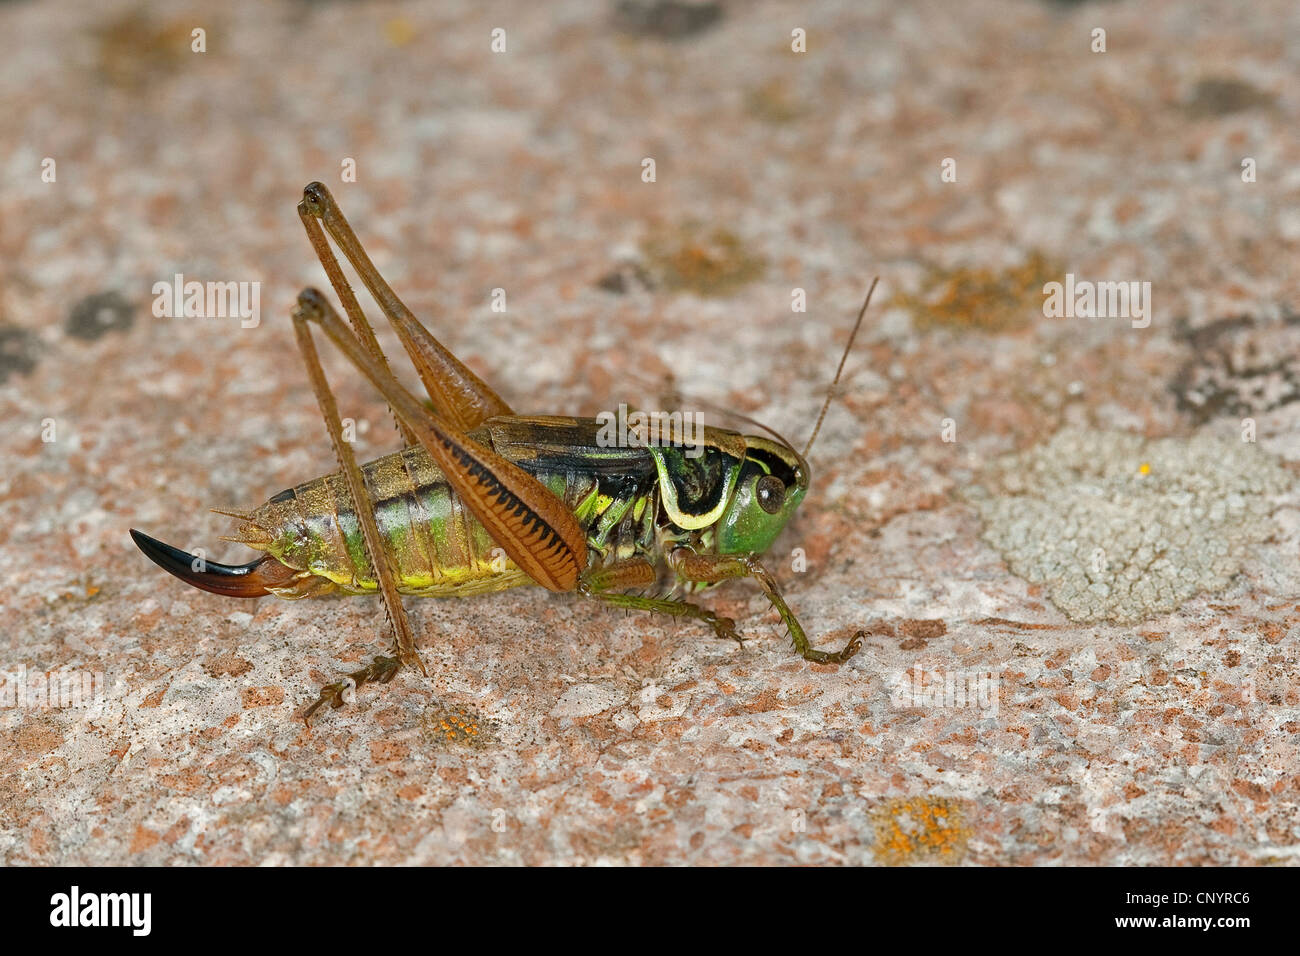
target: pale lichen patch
1119 528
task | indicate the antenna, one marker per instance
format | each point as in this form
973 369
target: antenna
830 392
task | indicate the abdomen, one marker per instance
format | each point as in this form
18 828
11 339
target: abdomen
436 547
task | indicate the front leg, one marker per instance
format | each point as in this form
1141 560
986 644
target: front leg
712 568
606 584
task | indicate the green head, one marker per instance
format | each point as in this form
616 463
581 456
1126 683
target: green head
772 482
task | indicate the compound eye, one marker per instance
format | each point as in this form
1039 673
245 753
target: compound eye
770 493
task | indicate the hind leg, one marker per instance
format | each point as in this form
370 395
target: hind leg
459 396
364 510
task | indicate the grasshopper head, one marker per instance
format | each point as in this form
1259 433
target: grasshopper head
773 480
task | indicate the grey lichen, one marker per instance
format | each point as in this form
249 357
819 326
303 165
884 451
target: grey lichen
1119 528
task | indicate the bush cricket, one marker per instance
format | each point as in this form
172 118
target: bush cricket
481 499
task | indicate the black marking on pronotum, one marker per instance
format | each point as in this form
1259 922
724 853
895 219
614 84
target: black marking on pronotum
775 465
701 482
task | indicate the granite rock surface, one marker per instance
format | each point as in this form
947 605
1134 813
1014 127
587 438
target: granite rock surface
979 725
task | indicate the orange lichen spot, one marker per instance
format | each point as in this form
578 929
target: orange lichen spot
923 830
702 260
137 48
1144 469
988 300
772 103
399 31
456 726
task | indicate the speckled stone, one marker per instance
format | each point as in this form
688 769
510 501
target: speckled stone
978 726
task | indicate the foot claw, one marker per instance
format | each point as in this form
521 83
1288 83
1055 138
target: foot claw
838 657
724 627
381 670
331 694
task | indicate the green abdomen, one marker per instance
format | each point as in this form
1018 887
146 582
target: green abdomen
435 545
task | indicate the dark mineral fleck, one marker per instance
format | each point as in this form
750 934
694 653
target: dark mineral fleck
668 19
97 314
1220 96
18 349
